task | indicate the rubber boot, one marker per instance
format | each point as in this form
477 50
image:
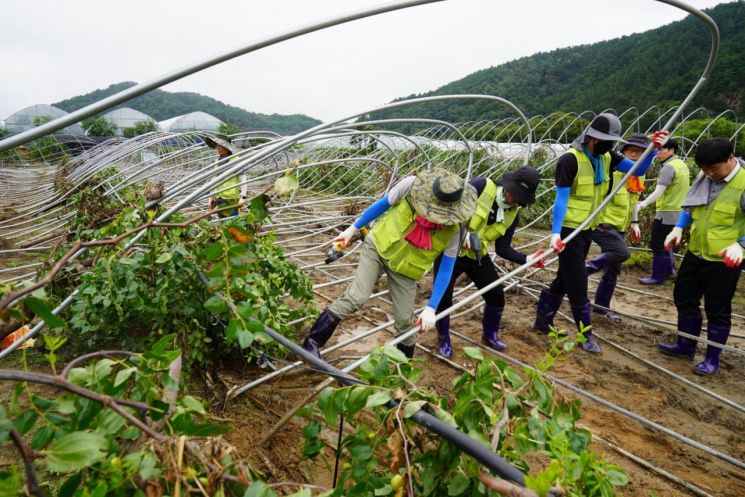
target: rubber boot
548 306
660 269
581 314
443 337
320 333
710 364
597 264
671 268
603 294
408 350
492 319
684 347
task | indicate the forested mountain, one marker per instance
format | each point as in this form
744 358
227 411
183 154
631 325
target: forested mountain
163 105
657 67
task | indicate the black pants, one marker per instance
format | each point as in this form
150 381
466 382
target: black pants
613 244
713 281
571 279
657 240
481 275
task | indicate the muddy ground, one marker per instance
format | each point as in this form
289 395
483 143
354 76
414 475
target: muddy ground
614 376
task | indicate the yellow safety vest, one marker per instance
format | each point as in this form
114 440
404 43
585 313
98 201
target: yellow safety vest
233 189
618 211
487 233
388 236
720 224
584 195
673 196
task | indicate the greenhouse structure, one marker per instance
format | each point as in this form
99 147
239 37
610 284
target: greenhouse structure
24 119
194 121
126 117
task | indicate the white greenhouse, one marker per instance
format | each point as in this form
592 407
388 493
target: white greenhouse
126 117
23 120
194 121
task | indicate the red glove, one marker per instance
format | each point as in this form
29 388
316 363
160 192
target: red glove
556 243
635 234
212 203
538 264
659 138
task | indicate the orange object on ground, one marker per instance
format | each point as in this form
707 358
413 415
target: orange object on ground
15 336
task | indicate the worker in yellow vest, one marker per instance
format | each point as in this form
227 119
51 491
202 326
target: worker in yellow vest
497 216
715 210
615 221
420 218
672 186
583 178
229 192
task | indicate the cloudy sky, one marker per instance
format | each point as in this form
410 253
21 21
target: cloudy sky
52 50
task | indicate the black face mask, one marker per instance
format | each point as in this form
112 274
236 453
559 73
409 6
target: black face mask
603 147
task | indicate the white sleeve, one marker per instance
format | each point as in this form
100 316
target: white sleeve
652 198
400 190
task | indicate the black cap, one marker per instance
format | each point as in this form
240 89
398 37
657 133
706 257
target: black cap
521 184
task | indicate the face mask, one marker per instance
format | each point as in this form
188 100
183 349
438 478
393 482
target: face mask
501 199
603 147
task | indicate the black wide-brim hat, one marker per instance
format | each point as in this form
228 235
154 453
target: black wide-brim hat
521 184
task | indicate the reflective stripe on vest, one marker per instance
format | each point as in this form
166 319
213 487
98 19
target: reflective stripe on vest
400 255
618 211
232 189
585 196
488 232
675 193
719 225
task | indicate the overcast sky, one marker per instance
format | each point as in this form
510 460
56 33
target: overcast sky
52 50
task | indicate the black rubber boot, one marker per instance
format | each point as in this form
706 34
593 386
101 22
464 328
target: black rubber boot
320 333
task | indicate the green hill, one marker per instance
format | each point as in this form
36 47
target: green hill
163 105
657 67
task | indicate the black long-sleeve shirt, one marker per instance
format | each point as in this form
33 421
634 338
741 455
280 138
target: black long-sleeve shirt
503 244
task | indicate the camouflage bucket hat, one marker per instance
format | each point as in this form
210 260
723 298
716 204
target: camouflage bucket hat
222 140
443 197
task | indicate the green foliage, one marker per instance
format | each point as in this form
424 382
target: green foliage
39 120
140 128
99 126
228 128
163 105
610 74
90 449
47 148
529 417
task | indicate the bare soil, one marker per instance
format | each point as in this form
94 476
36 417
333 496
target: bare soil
614 376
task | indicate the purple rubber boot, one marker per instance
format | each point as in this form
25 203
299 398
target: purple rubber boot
548 306
710 364
597 264
684 347
581 314
492 319
602 297
443 337
660 269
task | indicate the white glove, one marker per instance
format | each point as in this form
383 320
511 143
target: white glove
674 237
426 320
556 243
635 233
659 138
467 241
732 255
535 255
346 236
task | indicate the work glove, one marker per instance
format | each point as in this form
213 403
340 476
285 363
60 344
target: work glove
467 241
538 264
732 255
556 243
635 233
659 138
212 203
674 237
426 320
346 235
